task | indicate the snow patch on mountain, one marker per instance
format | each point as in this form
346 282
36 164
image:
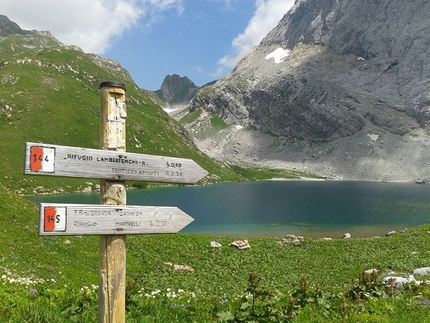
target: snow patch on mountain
278 55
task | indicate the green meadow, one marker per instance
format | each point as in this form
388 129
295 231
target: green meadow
55 279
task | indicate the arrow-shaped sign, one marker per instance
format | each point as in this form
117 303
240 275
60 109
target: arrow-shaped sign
94 219
54 160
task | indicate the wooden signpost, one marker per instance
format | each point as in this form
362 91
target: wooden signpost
84 219
54 160
112 219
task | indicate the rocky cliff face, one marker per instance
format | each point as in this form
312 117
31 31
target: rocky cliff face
318 87
176 89
8 27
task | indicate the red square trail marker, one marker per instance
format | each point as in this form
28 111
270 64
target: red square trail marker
41 159
54 219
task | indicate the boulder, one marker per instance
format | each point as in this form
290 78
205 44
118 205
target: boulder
179 267
291 239
215 244
240 244
422 271
398 282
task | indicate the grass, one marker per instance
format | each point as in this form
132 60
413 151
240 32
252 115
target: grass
54 279
217 123
262 173
191 116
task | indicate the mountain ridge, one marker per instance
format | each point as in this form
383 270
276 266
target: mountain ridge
349 71
8 27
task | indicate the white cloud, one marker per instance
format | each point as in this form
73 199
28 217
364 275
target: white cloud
266 16
92 25
158 7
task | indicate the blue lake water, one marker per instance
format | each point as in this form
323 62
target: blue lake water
277 208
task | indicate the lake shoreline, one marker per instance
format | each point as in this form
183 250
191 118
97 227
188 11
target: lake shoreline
311 179
308 179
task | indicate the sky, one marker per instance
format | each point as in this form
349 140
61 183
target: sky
200 39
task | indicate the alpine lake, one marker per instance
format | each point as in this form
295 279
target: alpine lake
278 207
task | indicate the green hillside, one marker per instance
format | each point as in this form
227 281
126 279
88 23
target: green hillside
50 93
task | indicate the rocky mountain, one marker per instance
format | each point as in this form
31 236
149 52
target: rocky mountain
338 87
8 27
177 90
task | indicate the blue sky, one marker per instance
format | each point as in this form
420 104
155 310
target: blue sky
202 39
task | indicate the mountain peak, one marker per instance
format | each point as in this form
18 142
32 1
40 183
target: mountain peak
8 27
177 89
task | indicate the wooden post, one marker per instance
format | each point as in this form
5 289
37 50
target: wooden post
113 114
57 219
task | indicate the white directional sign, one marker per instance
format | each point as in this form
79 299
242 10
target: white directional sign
54 160
95 219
